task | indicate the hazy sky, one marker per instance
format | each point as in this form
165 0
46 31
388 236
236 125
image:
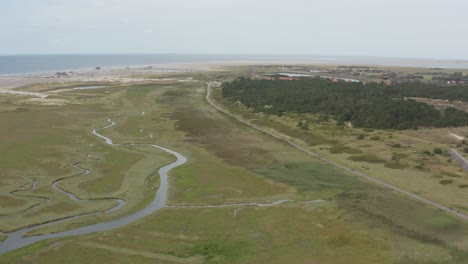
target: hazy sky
404 28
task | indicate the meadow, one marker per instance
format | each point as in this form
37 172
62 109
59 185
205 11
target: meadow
349 220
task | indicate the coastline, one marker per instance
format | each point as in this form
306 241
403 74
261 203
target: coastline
14 65
123 74
106 74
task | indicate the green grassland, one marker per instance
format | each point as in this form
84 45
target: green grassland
227 163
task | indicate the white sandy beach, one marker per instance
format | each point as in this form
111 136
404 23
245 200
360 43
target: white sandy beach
9 84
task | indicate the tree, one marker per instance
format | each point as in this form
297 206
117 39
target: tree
371 105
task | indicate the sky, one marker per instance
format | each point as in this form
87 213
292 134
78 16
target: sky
391 28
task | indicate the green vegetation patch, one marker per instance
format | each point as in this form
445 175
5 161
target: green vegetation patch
408 217
220 246
367 158
443 222
309 176
450 174
395 165
446 181
7 201
223 138
56 207
209 180
338 148
111 172
48 252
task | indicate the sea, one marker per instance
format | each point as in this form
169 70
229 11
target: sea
26 64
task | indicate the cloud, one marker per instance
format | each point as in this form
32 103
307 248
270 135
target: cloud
429 28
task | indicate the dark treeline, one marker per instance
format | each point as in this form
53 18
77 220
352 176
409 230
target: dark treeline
418 89
372 105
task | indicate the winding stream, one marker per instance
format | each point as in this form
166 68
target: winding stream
16 240
69 194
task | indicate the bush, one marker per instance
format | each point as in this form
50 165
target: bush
360 137
367 158
465 150
427 152
445 181
337 149
437 151
304 125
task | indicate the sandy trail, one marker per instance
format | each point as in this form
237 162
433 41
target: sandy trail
455 136
459 158
40 95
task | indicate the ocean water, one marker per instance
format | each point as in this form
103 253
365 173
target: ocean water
21 64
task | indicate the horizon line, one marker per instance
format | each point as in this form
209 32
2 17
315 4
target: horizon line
238 54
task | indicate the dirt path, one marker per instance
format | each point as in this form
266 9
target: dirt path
459 158
362 175
40 95
455 136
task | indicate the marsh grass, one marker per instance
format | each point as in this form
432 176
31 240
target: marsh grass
229 162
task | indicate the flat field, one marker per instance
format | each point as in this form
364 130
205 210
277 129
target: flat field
331 216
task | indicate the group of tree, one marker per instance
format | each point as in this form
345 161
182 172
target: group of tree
372 105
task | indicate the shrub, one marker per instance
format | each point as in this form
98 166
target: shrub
303 124
367 158
445 181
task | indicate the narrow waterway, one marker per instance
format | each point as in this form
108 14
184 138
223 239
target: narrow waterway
16 240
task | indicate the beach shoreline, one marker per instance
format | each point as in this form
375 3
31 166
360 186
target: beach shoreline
125 74
106 74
